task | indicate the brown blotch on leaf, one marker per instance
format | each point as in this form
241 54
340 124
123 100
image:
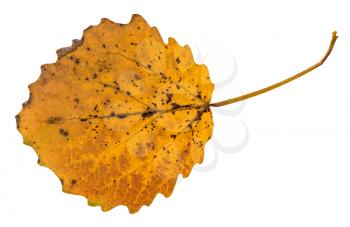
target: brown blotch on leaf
65 50
55 120
29 101
18 120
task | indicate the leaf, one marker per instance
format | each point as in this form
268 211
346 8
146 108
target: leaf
119 115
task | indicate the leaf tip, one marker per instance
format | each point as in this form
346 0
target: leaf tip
136 16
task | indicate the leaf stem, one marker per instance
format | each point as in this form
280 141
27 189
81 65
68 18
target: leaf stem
283 82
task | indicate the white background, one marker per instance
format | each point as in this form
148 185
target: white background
295 168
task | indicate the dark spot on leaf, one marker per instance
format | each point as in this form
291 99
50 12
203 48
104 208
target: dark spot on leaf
169 96
178 60
63 132
207 109
173 136
175 106
199 95
148 114
121 116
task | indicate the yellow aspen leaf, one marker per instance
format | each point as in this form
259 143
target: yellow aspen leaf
121 114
